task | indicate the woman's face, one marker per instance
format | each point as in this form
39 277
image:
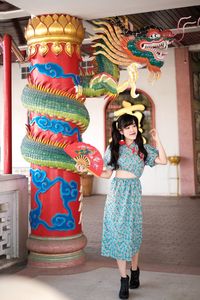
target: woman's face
130 132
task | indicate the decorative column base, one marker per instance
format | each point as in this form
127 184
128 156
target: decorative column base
56 252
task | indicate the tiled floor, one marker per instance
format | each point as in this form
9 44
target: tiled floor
171 232
171 244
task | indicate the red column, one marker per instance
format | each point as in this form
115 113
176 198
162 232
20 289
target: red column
56 118
7 126
186 145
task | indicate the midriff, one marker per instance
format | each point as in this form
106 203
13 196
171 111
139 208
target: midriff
124 174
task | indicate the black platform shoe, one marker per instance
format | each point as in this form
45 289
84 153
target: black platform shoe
124 289
135 282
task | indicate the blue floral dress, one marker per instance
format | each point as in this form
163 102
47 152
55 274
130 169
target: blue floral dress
122 223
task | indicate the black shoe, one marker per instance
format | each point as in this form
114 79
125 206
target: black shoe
124 289
135 282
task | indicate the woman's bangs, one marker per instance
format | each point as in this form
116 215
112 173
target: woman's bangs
129 121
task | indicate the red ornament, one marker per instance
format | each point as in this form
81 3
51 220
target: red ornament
122 142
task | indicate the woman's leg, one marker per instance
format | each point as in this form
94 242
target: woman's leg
135 272
124 288
122 267
134 262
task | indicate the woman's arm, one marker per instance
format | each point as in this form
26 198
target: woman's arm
162 157
106 174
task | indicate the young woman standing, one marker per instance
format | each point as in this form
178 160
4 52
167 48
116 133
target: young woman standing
122 223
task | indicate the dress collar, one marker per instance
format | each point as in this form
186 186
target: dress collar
132 145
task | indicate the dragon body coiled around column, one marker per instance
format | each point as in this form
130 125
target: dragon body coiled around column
54 121
56 118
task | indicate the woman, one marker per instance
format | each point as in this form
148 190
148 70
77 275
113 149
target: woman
122 224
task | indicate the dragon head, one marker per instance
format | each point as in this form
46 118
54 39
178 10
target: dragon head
148 47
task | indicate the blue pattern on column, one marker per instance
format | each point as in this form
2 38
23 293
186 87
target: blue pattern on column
54 71
56 126
68 193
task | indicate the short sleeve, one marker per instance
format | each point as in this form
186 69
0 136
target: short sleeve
152 153
107 157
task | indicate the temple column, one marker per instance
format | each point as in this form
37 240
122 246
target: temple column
7 64
56 117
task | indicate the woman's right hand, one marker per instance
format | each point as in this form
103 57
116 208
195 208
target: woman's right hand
80 168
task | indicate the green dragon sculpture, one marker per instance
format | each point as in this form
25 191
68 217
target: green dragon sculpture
117 47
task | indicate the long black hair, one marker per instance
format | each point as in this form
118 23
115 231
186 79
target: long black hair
121 123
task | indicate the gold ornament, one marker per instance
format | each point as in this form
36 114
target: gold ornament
56 48
69 49
174 160
43 49
55 29
128 108
32 51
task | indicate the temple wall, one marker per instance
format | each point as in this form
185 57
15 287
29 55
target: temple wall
155 181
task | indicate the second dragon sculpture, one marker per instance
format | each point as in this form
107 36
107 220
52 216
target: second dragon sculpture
144 48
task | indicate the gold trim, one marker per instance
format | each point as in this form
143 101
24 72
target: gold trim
54 28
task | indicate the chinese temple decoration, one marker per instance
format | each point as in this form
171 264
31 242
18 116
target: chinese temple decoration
57 117
100 65
54 33
145 48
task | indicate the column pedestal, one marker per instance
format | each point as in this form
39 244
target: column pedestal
56 252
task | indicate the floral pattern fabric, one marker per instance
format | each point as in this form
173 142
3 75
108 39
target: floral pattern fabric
130 161
122 223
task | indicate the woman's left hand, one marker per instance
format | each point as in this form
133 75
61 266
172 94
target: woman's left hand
154 134
161 158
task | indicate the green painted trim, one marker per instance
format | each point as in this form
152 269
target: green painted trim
55 238
40 257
